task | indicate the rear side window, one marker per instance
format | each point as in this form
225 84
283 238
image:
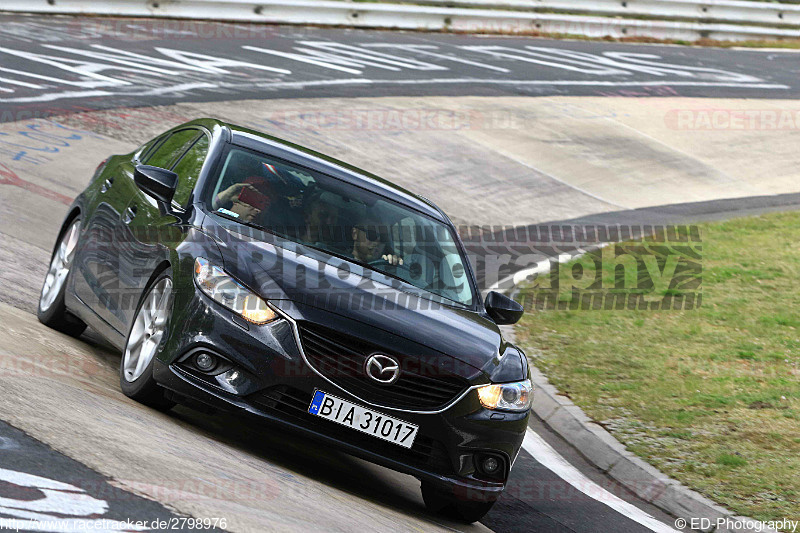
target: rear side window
142 153
188 169
171 149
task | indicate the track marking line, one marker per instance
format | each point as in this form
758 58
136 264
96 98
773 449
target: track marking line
435 81
539 268
50 97
590 83
550 459
178 88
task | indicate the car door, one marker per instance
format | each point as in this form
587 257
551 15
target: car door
98 260
151 233
121 261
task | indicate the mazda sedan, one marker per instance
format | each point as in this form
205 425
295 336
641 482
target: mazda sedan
241 273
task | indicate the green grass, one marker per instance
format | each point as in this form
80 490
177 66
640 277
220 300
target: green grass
710 396
727 459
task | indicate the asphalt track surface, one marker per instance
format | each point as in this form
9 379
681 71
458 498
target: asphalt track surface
62 64
39 483
65 65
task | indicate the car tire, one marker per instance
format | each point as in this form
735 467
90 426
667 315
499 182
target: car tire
51 310
145 337
462 511
470 512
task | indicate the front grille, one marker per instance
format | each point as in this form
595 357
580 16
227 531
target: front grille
341 359
290 403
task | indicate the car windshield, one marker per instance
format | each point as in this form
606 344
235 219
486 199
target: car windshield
342 219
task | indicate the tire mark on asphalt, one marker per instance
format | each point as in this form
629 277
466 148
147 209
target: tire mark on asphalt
524 163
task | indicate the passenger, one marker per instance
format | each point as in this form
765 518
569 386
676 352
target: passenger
263 189
251 194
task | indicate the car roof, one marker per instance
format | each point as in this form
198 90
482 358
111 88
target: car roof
306 157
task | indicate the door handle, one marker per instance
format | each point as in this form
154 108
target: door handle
107 185
130 214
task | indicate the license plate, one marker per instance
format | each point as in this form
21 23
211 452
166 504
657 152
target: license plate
362 419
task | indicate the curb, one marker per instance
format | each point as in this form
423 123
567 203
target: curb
600 448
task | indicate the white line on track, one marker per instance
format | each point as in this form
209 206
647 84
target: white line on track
435 81
590 83
550 459
767 50
50 97
479 81
178 88
315 83
539 269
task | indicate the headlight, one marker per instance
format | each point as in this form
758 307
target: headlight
508 396
222 288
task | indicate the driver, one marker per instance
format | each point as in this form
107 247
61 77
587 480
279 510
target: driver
370 240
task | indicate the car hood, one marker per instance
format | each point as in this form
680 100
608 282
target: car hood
310 285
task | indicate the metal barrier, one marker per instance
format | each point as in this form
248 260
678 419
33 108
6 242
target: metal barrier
733 11
692 19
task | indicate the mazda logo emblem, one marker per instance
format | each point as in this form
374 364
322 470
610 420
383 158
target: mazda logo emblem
382 368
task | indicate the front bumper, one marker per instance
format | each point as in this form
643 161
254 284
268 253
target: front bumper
274 383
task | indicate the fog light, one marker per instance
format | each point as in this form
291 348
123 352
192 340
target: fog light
205 361
490 465
232 377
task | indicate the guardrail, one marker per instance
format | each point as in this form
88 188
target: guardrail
768 13
740 19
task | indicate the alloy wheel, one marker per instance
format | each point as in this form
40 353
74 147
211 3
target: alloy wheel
147 331
59 267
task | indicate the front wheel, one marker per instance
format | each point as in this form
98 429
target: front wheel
52 311
144 338
461 510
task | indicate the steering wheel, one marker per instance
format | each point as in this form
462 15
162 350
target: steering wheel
402 270
381 263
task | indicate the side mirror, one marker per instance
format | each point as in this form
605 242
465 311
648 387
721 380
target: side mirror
502 309
156 182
